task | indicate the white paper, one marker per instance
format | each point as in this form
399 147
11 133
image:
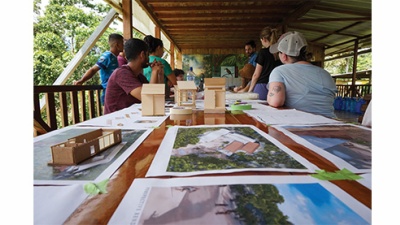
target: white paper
215 145
128 118
273 116
213 200
366 180
340 147
54 204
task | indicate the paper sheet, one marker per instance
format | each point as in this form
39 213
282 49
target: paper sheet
191 150
345 145
272 116
238 200
54 204
128 118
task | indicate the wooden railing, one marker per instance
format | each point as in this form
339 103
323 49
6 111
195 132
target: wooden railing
65 105
68 104
359 90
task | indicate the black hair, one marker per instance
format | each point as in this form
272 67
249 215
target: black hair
251 43
115 37
178 72
302 56
133 47
153 43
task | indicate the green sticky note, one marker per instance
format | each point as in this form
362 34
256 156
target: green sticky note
168 126
96 188
343 174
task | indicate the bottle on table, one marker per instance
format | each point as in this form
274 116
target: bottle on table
190 75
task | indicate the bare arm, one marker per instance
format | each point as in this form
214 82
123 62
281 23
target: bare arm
254 78
276 94
172 78
89 74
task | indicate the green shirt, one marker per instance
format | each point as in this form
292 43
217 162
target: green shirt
167 71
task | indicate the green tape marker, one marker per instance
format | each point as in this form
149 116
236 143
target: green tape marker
96 188
240 107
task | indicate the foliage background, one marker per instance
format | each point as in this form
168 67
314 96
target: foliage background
60 31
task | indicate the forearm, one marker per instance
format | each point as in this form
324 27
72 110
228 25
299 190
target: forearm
172 78
254 78
87 76
253 82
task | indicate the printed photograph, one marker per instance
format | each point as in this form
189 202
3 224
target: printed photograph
224 148
307 203
349 143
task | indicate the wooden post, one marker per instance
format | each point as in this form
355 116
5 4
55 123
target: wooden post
353 80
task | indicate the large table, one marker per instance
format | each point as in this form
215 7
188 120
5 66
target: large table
100 208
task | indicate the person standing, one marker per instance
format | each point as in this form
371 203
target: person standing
156 49
107 63
266 62
125 84
298 84
251 52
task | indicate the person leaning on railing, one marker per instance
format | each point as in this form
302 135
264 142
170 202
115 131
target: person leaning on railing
107 63
298 84
124 86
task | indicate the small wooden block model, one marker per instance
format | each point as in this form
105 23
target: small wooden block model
153 100
185 94
79 148
214 95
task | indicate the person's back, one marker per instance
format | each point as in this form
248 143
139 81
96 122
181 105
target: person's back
298 84
309 88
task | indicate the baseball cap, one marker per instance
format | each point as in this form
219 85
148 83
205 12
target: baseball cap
289 43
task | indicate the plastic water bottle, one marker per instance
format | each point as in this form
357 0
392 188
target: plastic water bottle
190 75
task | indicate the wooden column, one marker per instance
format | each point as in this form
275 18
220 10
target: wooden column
157 32
127 23
353 80
172 53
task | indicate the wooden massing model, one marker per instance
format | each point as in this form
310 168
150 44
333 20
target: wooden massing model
153 100
79 148
185 94
214 95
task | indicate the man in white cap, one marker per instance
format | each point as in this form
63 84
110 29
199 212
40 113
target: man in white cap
298 84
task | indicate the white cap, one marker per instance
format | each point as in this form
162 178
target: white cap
289 43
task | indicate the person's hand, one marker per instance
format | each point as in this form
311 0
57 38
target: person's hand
236 89
157 66
77 82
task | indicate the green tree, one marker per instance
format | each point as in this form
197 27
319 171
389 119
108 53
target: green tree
59 34
345 65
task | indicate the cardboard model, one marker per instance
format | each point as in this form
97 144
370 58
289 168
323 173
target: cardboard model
79 148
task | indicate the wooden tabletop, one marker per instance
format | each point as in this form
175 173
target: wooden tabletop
99 209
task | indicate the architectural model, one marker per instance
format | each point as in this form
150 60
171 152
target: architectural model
186 92
214 95
153 100
79 148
